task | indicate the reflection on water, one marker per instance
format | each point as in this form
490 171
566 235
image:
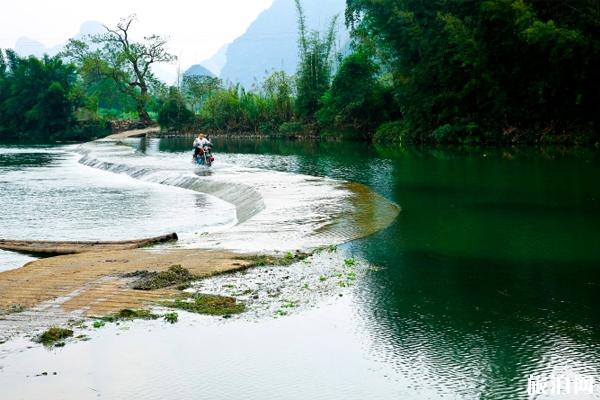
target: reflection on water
489 274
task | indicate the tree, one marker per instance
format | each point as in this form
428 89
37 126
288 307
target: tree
197 88
114 55
235 109
279 89
174 115
3 66
221 111
314 70
357 102
493 70
37 97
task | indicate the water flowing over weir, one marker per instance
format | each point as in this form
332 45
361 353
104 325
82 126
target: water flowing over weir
275 211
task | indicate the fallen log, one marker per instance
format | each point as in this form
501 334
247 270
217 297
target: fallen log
51 248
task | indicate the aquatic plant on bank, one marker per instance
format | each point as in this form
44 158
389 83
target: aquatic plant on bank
171 317
176 275
208 304
128 314
54 336
261 260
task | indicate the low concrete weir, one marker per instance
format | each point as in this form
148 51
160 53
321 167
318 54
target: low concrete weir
275 211
247 200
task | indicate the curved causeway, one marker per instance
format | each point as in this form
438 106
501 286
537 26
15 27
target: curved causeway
275 211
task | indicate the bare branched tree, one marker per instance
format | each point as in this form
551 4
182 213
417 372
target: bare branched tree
114 55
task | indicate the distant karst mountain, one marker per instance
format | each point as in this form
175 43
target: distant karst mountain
28 47
271 41
198 70
216 63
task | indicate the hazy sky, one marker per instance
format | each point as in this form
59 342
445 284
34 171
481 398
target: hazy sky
197 29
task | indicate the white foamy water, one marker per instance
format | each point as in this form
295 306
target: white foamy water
275 211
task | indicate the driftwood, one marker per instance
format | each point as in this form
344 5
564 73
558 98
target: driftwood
58 248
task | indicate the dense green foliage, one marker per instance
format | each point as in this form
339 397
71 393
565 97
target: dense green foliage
197 88
174 115
38 99
94 80
494 70
357 102
237 110
280 88
490 71
229 109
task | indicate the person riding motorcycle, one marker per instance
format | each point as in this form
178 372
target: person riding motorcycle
201 142
201 146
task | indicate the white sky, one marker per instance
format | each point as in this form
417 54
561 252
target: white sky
196 29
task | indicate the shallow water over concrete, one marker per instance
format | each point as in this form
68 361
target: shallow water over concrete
276 211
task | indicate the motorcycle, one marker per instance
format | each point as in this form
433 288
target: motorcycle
203 156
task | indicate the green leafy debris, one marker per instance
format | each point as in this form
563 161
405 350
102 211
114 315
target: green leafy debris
206 304
176 275
261 260
171 317
54 335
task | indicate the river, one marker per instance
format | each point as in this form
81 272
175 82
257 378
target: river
489 274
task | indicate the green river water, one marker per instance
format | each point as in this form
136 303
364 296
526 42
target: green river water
492 267
490 273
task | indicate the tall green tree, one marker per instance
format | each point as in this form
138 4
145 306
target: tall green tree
358 100
314 69
279 89
174 115
197 88
116 56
